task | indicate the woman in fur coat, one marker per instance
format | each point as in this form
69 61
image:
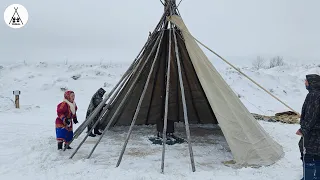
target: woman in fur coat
66 111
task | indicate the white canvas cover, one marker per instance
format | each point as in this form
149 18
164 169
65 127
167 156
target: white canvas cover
249 142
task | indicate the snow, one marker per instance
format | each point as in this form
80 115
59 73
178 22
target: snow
28 145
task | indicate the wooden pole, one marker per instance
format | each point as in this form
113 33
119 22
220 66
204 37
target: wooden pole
125 97
140 102
83 140
16 101
165 119
185 113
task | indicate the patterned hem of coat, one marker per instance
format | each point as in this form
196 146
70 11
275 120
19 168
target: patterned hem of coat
63 134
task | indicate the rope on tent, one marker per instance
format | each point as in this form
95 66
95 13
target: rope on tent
241 72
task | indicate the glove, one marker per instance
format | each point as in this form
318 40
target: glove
68 122
75 120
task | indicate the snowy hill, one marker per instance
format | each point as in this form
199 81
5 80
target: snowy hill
28 146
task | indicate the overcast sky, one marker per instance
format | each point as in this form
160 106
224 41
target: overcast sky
83 30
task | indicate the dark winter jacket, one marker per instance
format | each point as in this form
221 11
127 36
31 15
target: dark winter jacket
310 117
95 101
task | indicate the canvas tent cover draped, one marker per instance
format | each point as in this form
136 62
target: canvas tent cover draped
249 142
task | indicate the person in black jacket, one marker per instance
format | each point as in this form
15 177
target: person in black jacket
309 143
95 101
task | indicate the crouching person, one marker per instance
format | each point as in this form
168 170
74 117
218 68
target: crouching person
95 101
309 143
66 111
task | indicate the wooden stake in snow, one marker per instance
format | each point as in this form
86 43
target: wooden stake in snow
16 93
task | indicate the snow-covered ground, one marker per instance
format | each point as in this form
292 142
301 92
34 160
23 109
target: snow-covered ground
28 146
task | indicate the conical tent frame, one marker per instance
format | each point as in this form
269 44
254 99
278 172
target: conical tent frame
142 69
168 11
16 12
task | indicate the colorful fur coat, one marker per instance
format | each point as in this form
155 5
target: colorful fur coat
66 112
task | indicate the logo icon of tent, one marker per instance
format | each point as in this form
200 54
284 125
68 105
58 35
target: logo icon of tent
16 19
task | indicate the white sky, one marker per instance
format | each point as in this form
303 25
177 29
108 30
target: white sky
82 30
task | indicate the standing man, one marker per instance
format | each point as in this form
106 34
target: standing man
95 101
309 143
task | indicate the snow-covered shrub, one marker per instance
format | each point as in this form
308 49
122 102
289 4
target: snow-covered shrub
276 61
259 63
